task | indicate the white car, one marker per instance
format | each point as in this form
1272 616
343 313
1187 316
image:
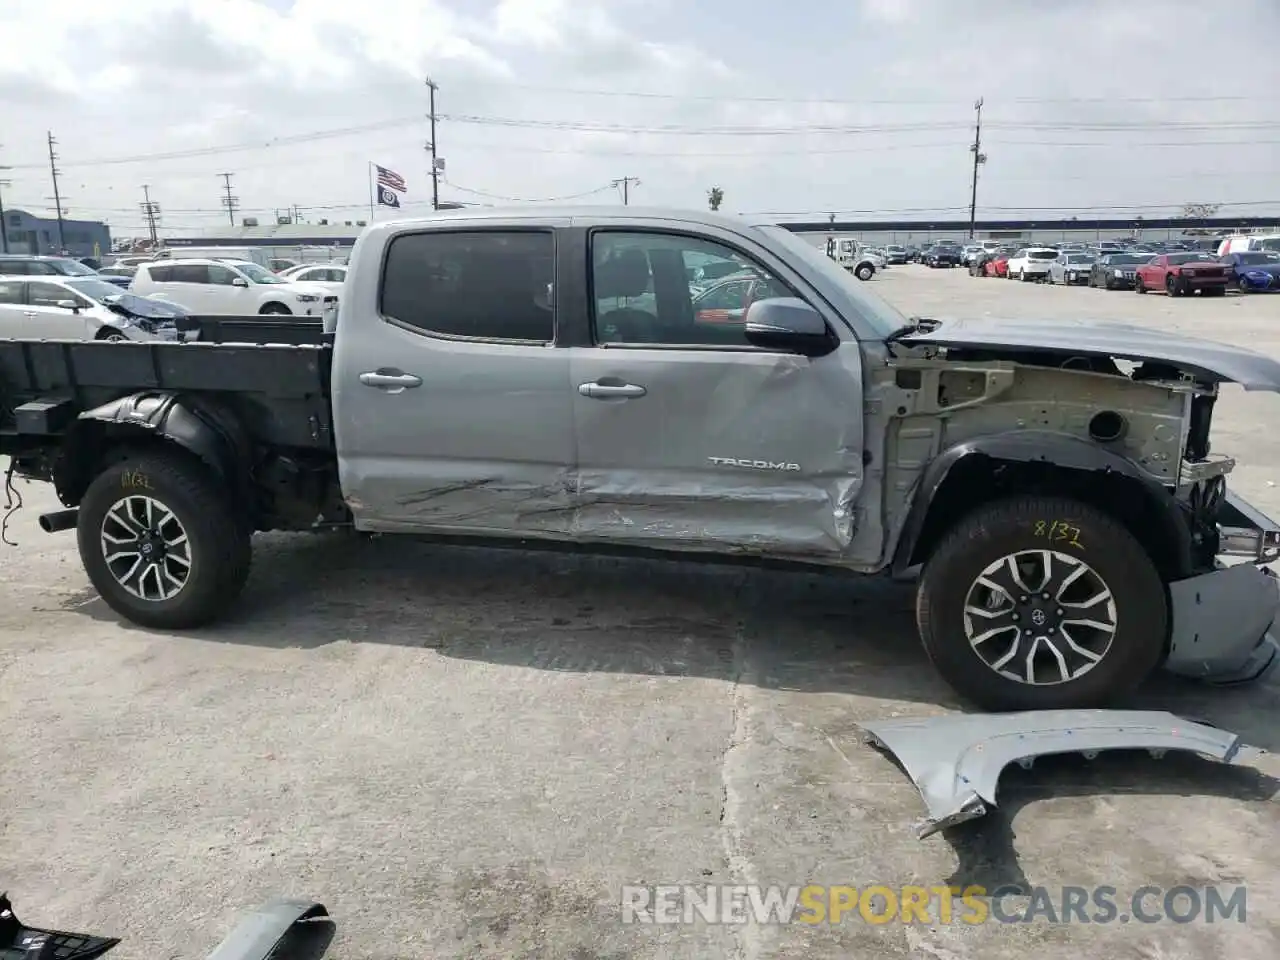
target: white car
330 275
231 288
82 308
1031 263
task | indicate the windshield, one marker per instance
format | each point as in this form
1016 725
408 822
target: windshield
1079 258
1256 257
1123 258
258 274
73 268
1043 255
879 314
93 288
1271 243
1176 258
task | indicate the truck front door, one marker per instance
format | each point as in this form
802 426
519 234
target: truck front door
689 437
452 406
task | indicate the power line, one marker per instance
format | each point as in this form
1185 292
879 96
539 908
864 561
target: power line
497 196
703 131
891 101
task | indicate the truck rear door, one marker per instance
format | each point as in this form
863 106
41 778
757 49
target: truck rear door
452 405
688 437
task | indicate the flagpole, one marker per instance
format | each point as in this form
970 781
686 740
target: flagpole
368 171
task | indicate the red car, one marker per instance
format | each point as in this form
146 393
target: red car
998 266
1182 274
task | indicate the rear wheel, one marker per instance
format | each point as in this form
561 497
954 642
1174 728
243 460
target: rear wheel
1042 603
865 271
275 309
161 543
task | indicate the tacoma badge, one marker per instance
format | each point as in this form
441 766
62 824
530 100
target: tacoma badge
754 464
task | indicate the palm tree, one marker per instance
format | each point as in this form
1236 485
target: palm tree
715 197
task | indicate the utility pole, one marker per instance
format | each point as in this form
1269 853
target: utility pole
57 197
151 214
979 158
229 201
625 184
435 161
297 213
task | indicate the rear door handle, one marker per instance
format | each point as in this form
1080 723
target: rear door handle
609 391
388 380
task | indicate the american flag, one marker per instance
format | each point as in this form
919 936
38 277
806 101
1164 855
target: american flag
390 179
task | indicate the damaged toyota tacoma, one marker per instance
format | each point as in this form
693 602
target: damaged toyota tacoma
544 378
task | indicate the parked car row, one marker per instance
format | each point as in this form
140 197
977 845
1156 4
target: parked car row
1177 274
61 298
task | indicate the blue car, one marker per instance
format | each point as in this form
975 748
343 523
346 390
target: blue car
1253 272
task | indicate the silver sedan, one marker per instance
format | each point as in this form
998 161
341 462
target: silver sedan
1071 268
82 308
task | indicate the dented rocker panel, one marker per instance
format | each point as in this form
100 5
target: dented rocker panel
955 760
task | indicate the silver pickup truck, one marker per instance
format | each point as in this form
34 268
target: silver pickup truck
546 377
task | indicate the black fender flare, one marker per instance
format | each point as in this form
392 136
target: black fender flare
1059 450
212 435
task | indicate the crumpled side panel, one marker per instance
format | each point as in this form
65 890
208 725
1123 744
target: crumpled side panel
755 452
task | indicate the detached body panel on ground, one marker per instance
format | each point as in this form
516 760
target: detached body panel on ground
548 378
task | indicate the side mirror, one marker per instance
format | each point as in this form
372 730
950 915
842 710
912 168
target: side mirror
786 323
71 305
239 282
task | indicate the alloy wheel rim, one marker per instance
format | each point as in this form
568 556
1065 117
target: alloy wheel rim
146 548
1040 617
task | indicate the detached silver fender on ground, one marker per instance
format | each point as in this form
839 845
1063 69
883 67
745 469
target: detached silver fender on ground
955 760
257 935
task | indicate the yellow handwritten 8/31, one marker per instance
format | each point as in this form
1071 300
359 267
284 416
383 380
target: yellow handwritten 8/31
1059 531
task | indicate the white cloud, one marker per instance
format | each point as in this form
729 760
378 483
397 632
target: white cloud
142 77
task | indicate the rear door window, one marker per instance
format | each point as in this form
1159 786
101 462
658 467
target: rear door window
189 273
487 285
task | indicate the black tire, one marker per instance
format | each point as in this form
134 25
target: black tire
219 548
1138 285
1108 284
110 337
275 310
865 271
1006 527
1173 287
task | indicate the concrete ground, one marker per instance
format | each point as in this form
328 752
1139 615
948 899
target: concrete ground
466 753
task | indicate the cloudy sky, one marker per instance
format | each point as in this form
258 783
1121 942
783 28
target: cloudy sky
862 108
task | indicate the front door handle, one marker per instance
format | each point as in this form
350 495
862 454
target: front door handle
390 380
610 391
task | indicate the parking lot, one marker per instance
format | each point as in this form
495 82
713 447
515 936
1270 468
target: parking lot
465 752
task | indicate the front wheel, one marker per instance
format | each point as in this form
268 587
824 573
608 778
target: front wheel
1138 285
275 310
1173 287
865 271
161 542
1037 603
